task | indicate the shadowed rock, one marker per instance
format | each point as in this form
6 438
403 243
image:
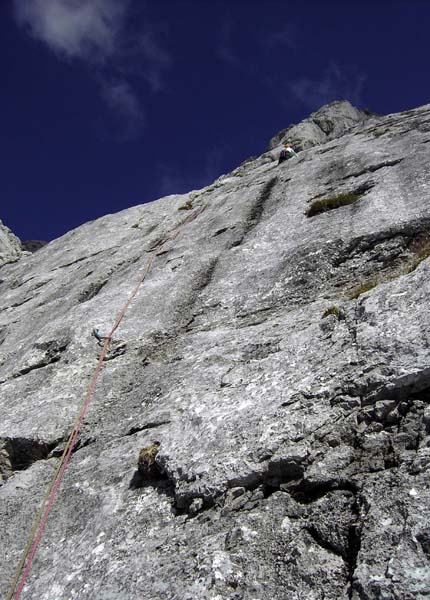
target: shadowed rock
33 245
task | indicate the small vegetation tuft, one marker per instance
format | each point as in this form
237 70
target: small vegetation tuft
333 310
187 206
378 132
364 287
420 249
325 204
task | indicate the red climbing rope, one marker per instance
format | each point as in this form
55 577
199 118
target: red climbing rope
42 516
59 477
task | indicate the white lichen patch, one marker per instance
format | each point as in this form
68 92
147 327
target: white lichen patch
222 565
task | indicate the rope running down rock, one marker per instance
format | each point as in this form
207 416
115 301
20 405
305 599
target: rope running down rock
51 492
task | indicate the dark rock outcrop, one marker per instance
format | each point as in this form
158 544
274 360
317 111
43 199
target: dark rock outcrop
33 245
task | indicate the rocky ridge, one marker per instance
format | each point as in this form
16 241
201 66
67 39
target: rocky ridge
329 122
10 246
281 361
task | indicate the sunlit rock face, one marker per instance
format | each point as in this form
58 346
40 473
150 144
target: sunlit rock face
10 246
329 122
273 372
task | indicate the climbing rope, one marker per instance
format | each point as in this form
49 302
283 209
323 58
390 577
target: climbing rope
51 492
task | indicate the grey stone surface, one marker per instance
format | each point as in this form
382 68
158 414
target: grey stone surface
329 122
10 245
294 440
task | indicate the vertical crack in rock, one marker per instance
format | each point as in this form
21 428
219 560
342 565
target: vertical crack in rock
3 333
255 213
91 290
360 509
334 516
199 281
203 278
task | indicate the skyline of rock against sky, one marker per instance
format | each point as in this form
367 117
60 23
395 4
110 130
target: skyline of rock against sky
278 352
110 104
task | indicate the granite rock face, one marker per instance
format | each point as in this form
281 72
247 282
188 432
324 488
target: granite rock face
281 362
10 246
329 122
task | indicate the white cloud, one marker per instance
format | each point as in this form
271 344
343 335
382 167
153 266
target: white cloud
156 59
85 29
125 107
95 32
333 84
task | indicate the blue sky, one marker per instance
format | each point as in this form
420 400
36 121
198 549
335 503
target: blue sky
105 104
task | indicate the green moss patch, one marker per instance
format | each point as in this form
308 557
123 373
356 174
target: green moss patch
333 310
378 132
362 288
420 248
326 204
187 206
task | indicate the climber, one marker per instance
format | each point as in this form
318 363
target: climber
99 337
286 153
